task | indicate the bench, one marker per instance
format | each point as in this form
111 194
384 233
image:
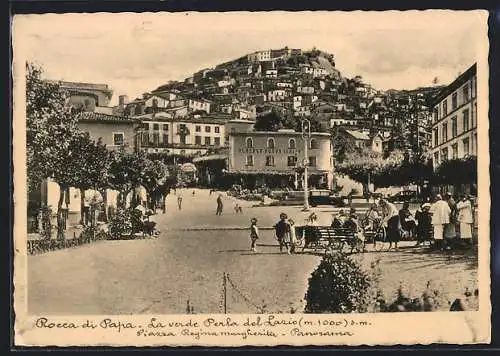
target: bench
328 238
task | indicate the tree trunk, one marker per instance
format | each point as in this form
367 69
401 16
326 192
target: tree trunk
63 190
82 206
104 194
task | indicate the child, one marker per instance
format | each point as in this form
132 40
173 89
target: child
254 234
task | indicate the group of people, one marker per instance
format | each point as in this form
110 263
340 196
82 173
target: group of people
432 222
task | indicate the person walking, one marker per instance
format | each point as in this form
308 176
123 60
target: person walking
282 230
390 219
179 200
254 234
464 208
440 211
220 205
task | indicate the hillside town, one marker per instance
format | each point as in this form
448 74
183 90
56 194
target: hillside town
276 135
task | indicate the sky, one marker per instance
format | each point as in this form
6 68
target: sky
136 52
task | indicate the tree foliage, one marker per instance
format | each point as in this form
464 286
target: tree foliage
50 129
457 171
273 122
338 285
126 172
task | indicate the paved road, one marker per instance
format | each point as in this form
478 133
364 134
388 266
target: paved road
159 276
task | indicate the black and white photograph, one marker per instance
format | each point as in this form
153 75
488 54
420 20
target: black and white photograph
242 172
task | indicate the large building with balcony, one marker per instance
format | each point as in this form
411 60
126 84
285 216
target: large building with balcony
189 137
454 119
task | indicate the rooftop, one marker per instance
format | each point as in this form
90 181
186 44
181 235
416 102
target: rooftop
99 117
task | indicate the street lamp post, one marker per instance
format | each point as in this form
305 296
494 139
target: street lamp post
306 134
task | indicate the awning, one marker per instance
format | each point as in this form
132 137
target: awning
209 158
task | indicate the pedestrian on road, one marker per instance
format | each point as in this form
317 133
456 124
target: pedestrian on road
220 205
450 229
254 234
179 200
407 221
390 218
464 208
440 211
282 230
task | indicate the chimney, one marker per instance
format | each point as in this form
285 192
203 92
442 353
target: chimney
122 100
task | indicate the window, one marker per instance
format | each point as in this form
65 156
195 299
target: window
466 120
197 140
156 126
444 133
436 159
292 161
165 127
445 108
249 142
436 137
313 144
291 144
145 126
118 138
144 138
444 154
270 143
207 129
454 130
197 128
207 141
156 138
312 161
465 91
269 161
466 146
454 151
217 129
454 102
165 138
435 115
217 141
250 160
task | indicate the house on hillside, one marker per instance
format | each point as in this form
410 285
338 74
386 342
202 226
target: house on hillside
200 104
362 139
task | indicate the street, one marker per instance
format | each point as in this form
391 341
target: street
187 261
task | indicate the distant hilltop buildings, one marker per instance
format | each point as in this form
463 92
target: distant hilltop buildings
189 118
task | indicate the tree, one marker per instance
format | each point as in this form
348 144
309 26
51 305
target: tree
342 146
457 171
153 176
126 173
50 129
366 166
91 161
268 122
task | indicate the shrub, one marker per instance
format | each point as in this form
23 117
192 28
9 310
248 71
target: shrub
338 285
120 224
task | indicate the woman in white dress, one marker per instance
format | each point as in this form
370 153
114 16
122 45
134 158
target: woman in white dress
464 208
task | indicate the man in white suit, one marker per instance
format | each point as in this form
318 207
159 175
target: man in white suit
440 217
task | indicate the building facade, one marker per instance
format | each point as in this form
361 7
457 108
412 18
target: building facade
454 119
184 137
114 131
276 159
